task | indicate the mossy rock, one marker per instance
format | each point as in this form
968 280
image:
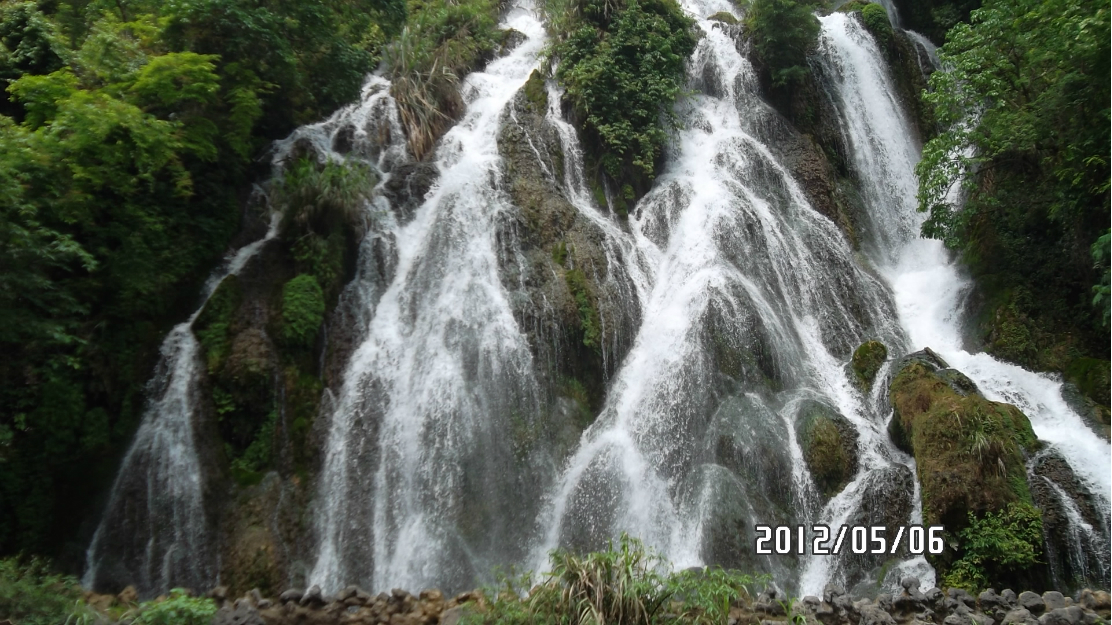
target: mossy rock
724 17
213 326
829 444
1091 375
302 310
867 361
970 452
536 92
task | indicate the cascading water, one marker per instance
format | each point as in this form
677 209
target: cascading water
927 284
747 306
421 487
754 306
154 533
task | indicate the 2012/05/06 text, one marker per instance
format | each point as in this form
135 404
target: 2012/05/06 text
858 539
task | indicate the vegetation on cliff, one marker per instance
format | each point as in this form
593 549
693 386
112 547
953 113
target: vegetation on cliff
128 133
622 66
783 32
1023 109
970 456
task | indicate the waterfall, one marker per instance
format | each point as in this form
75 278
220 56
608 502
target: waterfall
754 307
421 486
928 285
154 533
744 305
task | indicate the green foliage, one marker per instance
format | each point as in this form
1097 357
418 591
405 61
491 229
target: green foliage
441 42
29 44
1023 106
1102 291
589 323
302 310
322 199
783 32
876 21
30 594
249 467
178 609
624 585
214 323
996 545
622 67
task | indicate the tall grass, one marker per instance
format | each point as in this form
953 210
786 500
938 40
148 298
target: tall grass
624 585
442 41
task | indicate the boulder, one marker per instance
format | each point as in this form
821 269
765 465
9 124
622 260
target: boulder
829 444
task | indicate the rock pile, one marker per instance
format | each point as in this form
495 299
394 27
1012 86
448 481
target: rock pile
351 606
910 607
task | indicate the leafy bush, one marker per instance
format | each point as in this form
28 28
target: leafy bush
302 310
876 21
1023 143
995 545
622 66
321 199
30 594
627 585
178 609
783 32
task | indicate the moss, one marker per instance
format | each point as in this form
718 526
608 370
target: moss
853 6
876 21
724 17
303 392
302 310
213 325
575 390
589 323
536 92
1091 375
560 253
969 451
867 360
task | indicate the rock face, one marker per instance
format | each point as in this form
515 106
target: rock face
829 443
565 279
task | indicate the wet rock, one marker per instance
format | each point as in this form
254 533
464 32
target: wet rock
934 597
1061 616
453 615
829 444
128 596
1018 616
910 583
218 594
293 595
1054 600
867 361
313 596
243 613
1031 602
1009 597
510 39
875 615
832 590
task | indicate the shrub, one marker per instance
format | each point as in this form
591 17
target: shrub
30 594
627 585
320 199
876 21
302 310
995 545
179 609
782 32
622 65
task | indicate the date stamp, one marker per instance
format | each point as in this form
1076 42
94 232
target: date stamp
857 539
